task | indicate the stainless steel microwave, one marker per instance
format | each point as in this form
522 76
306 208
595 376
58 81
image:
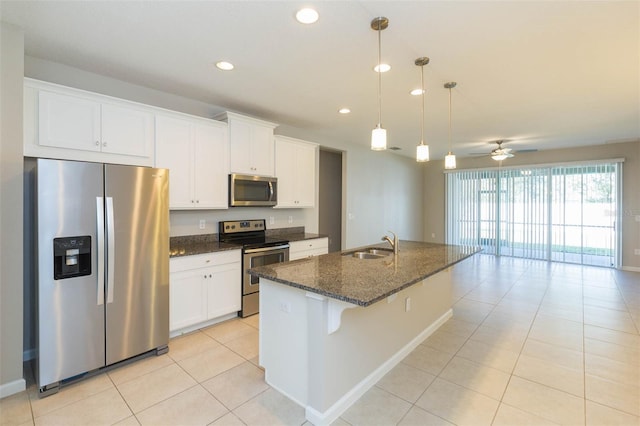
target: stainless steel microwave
247 190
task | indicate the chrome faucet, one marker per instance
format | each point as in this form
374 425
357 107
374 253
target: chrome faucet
394 242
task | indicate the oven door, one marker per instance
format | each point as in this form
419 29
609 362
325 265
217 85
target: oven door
260 257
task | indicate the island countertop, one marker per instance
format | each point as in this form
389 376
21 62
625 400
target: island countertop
366 281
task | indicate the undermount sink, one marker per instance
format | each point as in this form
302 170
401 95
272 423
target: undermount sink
370 253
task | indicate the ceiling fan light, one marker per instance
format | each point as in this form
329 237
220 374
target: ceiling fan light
382 68
500 157
422 153
307 16
449 161
378 138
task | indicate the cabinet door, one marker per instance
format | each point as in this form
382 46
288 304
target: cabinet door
286 173
240 147
305 177
174 151
188 297
262 157
224 291
68 122
211 167
126 131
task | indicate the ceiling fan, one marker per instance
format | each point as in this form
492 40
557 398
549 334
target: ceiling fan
501 153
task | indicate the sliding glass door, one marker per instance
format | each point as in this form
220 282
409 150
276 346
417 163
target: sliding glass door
564 213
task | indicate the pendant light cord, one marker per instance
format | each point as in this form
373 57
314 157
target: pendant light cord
449 120
379 76
422 118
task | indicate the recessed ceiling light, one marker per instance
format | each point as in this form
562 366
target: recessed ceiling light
224 65
417 92
344 110
307 16
382 67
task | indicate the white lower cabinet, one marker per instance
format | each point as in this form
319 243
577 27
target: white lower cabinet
308 248
202 288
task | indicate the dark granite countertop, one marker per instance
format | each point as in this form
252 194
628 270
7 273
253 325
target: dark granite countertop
189 245
366 281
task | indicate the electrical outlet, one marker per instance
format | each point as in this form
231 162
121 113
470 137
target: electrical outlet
203 223
407 304
290 219
285 307
433 235
637 252
272 220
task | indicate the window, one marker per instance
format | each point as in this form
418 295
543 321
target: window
565 213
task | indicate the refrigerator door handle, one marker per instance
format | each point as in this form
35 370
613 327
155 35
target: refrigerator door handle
100 247
111 259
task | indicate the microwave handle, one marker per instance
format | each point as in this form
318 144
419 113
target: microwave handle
270 191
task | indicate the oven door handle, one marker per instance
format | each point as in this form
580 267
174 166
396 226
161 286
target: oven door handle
262 250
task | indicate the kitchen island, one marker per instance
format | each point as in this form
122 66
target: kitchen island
331 326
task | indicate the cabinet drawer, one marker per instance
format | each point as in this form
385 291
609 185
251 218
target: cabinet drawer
185 263
317 243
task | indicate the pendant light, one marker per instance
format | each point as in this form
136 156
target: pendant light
422 150
450 159
379 135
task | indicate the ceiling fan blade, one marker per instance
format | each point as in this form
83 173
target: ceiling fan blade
526 150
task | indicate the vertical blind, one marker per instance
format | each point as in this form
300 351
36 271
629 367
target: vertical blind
565 213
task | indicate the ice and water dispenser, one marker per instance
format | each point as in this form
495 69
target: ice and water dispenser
71 257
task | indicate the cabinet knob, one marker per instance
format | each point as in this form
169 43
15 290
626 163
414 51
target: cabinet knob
197 201
205 276
97 143
104 144
191 201
209 275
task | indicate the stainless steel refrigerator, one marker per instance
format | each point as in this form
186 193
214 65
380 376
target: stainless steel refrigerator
102 266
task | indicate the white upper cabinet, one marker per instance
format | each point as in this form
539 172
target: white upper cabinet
196 153
296 172
66 123
126 131
250 144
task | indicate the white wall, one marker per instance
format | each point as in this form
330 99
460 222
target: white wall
11 222
382 191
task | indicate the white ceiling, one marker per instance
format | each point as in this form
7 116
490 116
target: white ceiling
542 74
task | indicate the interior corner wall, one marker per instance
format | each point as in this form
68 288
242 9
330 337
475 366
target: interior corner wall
383 191
11 222
434 183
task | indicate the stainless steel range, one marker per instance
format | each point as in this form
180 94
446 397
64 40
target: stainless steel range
257 250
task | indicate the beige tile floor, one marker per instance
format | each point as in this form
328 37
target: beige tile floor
530 343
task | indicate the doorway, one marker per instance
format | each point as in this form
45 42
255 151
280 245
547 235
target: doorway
330 198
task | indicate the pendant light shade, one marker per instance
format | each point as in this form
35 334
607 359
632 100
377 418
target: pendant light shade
450 159
422 153
378 134
422 150
379 138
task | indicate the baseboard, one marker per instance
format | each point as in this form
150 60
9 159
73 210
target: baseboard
340 406
198 326
631 268
11 388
